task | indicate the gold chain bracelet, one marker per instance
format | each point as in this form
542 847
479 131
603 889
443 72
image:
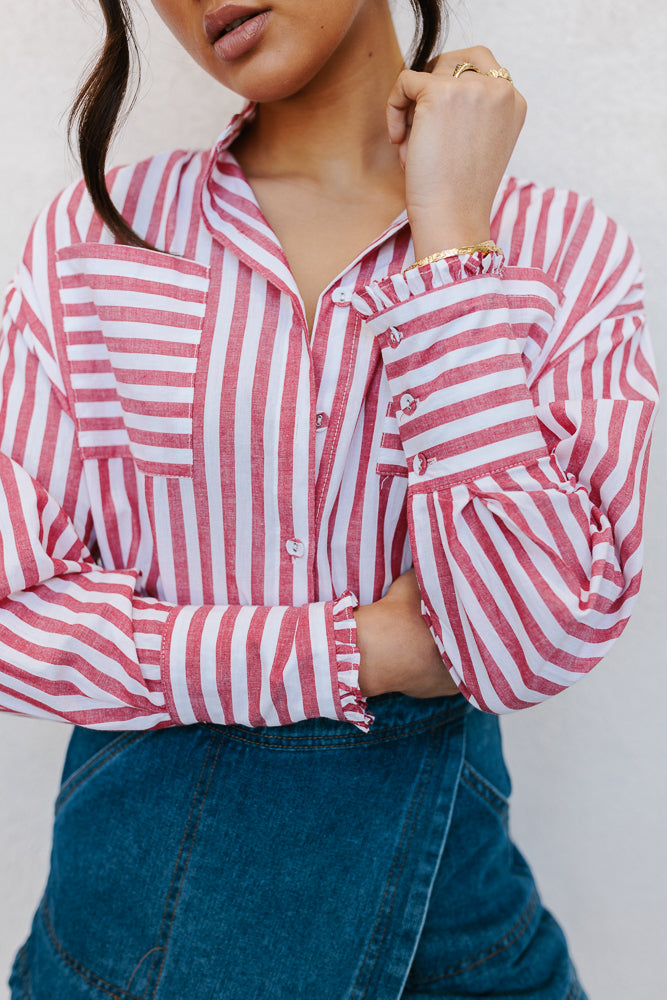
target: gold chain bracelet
484 248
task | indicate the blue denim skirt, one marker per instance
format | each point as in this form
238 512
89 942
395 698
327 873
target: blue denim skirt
306 862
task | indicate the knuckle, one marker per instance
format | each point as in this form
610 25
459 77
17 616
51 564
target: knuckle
481 52
502 95
436 88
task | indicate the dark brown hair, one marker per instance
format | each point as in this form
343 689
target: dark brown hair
431 18
97 111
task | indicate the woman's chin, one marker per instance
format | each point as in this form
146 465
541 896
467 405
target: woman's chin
263 83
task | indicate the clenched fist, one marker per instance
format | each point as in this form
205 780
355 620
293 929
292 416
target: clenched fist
455 138
398 652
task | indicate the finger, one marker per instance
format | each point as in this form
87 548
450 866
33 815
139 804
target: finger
478 56
484 60
405 93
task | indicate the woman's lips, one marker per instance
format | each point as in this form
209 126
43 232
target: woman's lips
241 39
219 19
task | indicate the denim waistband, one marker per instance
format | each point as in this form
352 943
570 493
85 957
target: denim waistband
396 716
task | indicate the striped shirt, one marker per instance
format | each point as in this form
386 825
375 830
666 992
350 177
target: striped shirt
195 496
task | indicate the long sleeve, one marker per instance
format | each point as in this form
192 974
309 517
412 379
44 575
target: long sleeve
79 642
524 397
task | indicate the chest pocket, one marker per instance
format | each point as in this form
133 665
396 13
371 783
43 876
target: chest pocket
133 321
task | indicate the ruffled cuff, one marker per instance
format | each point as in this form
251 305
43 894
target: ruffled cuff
352 702
397 288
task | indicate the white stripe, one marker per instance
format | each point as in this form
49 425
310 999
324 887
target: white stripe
177 656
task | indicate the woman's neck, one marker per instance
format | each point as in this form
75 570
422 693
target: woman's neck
333 132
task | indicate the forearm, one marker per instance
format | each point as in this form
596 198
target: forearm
524 411
80 646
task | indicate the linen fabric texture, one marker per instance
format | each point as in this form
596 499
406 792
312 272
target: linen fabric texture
196 496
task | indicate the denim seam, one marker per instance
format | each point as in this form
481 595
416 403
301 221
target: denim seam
23 970
404 843
83 773
141 961
339 742
185 866
473 780
77 967
28 979
412 812
171 884
574 991
466 964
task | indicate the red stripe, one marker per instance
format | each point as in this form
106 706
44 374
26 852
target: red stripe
178 536
161 379
303 644
205 530
151 407
287 418
143 286
254 666
193 664
223 659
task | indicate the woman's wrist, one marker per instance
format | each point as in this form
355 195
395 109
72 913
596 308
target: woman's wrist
369 638
486 248
428 238
424 247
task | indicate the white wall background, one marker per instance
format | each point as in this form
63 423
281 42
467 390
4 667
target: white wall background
590 803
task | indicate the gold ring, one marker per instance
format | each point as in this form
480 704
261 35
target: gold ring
500 74
465 68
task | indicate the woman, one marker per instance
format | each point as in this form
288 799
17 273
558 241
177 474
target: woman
242 397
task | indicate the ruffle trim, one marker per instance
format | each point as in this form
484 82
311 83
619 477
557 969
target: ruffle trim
397 288
352 702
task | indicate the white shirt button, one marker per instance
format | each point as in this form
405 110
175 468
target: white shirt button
295 547
408 403
321 421
341 296
419 464
395 336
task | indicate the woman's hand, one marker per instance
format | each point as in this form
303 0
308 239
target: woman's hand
397 649
455 139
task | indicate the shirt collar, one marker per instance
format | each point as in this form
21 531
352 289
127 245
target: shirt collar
233 216
231 132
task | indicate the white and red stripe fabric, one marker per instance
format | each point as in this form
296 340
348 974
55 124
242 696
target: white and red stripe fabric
196 495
